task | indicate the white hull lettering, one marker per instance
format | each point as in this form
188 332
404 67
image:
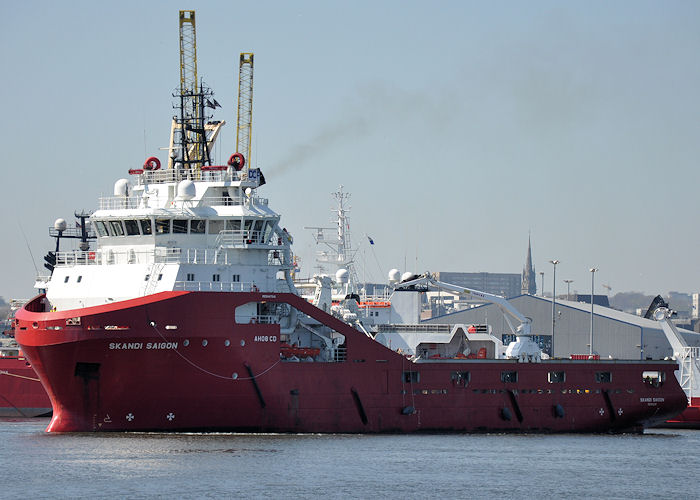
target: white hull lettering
265 338
126 345
161 345
139 345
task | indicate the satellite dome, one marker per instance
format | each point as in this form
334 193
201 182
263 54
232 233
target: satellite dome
60 225
407 276
186 190
341 276
121 187
394 276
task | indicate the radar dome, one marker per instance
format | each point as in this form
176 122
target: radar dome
407 276
394 276
341 276
60 225
186 190
121 187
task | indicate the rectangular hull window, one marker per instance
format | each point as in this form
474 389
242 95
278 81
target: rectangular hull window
554 377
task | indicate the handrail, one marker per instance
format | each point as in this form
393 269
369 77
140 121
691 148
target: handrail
213 286
160 255
175 175
136 201
238 237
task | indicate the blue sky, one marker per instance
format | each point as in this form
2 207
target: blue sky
458 127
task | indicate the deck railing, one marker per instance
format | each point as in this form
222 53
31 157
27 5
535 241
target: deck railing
213 286
139 201
160 255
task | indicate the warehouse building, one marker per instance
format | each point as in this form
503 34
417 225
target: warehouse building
615 334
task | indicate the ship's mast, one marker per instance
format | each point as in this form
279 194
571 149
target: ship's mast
191 135
340 253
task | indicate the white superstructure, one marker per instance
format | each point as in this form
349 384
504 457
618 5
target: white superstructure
165 231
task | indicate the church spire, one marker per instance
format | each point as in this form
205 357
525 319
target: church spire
529 283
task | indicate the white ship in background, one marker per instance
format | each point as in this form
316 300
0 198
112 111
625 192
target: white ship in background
337 287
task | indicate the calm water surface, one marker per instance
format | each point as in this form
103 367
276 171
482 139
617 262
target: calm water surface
658 464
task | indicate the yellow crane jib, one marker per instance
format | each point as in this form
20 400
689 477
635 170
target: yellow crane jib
245 105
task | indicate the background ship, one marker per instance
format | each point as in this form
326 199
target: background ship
21 392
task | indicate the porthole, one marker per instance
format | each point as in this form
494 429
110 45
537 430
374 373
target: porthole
186 343
234 376
227 343
242 343
204 343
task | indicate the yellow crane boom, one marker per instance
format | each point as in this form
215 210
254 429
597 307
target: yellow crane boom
245 105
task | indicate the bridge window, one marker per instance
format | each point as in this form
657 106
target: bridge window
132 227
216 226
116 226
162 226
257 231
233 225
268 231
603 377
197 226
180 226
145 226
509 377
101 229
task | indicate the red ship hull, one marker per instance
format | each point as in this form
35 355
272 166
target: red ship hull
688 419
178 361
21 392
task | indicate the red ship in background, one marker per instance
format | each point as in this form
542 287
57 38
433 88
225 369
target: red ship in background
185 316
688 359
21 392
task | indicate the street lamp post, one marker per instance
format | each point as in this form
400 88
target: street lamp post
554 297
590 338
542 286
568 288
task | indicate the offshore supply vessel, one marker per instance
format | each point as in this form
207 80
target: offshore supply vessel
184 316
21 392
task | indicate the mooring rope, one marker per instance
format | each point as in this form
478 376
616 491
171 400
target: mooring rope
5 372
195 365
